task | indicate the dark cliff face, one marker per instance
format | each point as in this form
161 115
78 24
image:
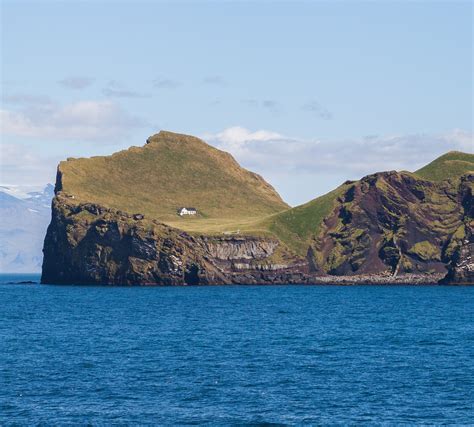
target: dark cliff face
461 262
395 223
88 243
461 269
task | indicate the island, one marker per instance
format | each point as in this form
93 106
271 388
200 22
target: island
178 211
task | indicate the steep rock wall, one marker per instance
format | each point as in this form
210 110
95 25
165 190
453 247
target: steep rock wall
90 244
394 223
461 248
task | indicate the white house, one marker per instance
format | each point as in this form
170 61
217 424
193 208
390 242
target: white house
187 211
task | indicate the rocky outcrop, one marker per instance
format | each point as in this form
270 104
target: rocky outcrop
88 243
242 248
461 270
394 223
461 248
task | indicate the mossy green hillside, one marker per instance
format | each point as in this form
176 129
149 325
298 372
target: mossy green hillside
426 251
297 226
171 171
450 165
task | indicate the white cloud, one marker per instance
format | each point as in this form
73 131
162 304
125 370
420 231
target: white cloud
25 170
240 141
464 140
240 135
315 166
83 120
26 99
357 156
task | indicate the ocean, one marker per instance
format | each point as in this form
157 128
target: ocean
244 355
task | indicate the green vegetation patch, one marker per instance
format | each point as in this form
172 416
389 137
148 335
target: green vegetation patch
450 165
455 242
298 225
169 172
426 251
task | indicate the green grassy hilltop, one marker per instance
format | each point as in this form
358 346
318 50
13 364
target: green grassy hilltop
449 165
169 172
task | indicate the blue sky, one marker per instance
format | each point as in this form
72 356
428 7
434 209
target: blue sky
306 93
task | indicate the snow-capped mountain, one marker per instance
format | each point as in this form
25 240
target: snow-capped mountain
24 218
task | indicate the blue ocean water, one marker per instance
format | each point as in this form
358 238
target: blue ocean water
236 355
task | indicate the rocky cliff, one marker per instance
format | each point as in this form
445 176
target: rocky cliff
461 256
390 227
88 243
393 222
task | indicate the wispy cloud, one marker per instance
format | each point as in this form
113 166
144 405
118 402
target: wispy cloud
21 167
164 83
84 120
317 109
274 154
238 139
250 102
115 89
303 168
270 105
26 99
214 80
76 82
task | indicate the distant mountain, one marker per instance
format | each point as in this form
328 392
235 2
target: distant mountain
23 224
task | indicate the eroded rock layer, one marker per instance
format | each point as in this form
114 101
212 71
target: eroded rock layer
394 222
88 243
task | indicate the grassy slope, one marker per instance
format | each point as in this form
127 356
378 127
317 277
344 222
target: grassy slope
298 225
449 165
170 171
